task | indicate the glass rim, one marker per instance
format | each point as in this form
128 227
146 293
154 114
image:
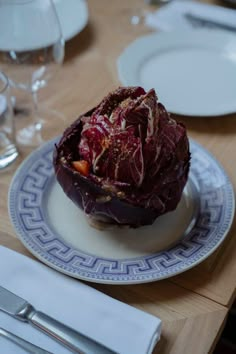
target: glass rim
4 82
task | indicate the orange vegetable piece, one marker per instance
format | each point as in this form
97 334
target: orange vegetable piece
81 166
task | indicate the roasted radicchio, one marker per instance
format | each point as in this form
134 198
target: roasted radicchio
126 161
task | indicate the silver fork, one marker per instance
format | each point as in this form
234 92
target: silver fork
24 344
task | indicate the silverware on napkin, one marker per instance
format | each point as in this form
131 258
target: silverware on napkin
24 311
24 344
198 21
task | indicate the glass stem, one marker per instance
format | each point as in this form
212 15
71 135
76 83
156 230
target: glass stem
37 123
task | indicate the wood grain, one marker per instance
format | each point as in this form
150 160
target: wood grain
193 305
190 321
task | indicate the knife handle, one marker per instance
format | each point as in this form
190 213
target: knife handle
66 335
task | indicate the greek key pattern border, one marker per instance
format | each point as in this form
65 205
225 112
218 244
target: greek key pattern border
214 218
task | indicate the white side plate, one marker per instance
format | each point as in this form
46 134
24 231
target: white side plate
73 15
193 73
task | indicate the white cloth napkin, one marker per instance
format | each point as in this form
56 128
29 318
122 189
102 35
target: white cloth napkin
118 326
172 16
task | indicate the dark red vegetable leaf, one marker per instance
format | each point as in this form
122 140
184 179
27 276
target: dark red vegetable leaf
138 156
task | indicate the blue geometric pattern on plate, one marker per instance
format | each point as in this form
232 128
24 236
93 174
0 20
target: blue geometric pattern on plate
212 222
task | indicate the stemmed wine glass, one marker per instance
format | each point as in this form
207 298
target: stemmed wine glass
138 15
31 51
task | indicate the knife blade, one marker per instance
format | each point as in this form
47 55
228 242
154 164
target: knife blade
199 21
22 310
11 303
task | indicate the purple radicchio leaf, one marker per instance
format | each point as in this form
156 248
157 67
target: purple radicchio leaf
138 159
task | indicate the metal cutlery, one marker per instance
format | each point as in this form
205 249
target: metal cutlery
198 21
157 2
24 344
24 311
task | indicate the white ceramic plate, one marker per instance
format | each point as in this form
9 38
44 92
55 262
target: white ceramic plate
73 15
58 233
193 72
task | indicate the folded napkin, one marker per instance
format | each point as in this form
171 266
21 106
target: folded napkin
173 15
118 326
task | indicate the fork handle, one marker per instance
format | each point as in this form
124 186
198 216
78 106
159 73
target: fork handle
66 335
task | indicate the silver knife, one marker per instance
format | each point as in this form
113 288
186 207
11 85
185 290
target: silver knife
199 21
24 311
22 343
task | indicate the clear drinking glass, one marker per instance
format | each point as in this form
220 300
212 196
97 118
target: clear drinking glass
8 150
31 51
139 14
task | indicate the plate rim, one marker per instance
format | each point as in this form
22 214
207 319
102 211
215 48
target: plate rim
95 278
171 37
83 9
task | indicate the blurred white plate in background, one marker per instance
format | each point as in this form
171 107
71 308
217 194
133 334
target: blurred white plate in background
193 73
73 15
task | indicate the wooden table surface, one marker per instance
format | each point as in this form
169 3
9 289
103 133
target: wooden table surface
193 305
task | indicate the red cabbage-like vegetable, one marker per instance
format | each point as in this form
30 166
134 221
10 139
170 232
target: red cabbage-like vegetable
126 161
